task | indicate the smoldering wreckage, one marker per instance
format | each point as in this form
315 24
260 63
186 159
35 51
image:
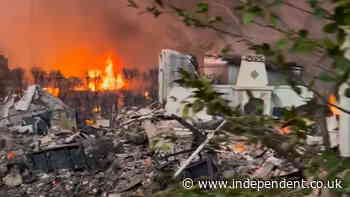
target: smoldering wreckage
139 150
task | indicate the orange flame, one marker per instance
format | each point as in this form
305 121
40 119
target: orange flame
90 122
284 130
96 109
53 91
239 147
333 100
106 80
146 95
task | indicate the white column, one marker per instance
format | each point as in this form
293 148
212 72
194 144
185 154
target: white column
267 97
344 126
170 62
162 81
231 74
332 125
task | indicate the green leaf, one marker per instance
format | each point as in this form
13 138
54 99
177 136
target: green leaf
280 58
154 10
342 65
156 13
180 12
226 50
326 77
132 4
215 19
331 159
341 35
239 8
202 7
346 181
186 110
197 106
303 33
313 3
341 16
263 49
330 28
320 13
281 44
277 3
248 17
328 44
275 20
304 46
341 3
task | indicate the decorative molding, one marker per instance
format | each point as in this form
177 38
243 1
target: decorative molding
254 58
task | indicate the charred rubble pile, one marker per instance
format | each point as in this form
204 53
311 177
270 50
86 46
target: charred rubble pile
44 153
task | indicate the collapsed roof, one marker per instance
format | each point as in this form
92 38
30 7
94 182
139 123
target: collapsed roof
18 111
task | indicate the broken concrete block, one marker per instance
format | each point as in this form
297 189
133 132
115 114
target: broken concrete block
163 143
137 138
37 111
314 140
24 103
9 102
160 133
227 174
151 128
62 119
114 195
3 170
276 161
144 111
102 123
23 129
264 170
155 128
13 179
133 183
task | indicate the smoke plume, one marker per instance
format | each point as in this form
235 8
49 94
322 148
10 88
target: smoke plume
79 34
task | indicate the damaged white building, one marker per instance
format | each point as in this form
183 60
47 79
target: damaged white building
234 78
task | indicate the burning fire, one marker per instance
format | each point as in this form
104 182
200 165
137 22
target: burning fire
284 130
93 75
98 80
90 122
106 80
146 95
333 100
53 91
110 81
96 109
